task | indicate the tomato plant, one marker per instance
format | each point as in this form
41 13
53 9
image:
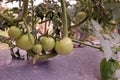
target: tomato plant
85 16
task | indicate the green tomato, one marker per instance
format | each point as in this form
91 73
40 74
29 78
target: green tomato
81 15
64 46
37 48
25 42
14 32
48 43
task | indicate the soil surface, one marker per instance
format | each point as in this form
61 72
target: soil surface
81 64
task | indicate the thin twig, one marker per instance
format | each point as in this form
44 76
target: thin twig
44 21
76 25
94 46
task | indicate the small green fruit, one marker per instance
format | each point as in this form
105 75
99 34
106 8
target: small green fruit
37 48
81 15
64 46
14 32
24 42
48 43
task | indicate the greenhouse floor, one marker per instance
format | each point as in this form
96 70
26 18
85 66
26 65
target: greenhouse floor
81 64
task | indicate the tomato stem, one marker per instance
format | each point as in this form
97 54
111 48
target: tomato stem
32 3
46 22
77 41
46 56
25 8
27 30
64 19
43 56
76 25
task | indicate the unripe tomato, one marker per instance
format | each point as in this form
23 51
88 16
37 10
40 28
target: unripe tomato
81 15
14 32
64 46
37 48
48 43
24 42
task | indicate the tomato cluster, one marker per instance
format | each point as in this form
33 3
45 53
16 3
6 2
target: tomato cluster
47 44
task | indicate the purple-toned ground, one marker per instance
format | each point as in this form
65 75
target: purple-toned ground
81 64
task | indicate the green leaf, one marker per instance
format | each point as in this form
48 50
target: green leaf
39 13
115 7
105 39
96 25
108 68
116 37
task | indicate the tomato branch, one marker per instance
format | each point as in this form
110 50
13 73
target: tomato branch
44 21
97 47
76 25
28 31
43 56
64 19
32 3
46 56
89 12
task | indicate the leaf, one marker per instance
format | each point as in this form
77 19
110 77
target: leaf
116 37
115 7
96 25
39 13
105 43
108 68
108 37
105 40
116 13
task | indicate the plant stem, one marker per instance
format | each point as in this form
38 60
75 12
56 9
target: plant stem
25 8
46 56
24 12
43 56
32 3
25 23
97 47
44 21
28 31
76 25
64 19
